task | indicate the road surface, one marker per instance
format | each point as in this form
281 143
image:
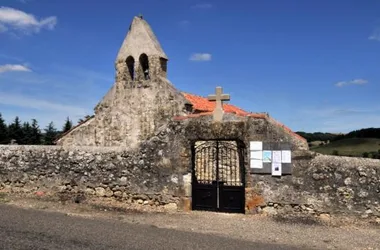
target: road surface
35 229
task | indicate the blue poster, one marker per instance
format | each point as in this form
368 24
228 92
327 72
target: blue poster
267 156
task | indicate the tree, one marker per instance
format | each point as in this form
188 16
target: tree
50 134
317 136
36 135
4 139
67 126
86 117
15 131
335 152
27 132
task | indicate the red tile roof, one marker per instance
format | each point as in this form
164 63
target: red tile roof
202 104
206 107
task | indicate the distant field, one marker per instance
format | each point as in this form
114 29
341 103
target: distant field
352 146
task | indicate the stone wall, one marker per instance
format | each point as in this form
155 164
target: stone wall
145 175
319 184
158 172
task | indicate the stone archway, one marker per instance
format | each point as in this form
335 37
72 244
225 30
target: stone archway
131 66
144 65
218 176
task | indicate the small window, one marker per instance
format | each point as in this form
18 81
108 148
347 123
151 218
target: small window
163 63
144 63
131 66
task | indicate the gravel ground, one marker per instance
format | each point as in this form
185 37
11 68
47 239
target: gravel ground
298 233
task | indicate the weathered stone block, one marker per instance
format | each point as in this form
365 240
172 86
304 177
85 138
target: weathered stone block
100 191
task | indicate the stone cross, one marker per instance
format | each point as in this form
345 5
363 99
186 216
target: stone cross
219 97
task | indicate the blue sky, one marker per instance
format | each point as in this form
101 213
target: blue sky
312 65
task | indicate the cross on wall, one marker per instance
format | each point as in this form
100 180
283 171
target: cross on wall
218 98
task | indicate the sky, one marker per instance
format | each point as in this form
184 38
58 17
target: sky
312 65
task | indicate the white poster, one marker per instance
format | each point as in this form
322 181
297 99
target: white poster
256 163
256 145
276 156
276 169
257 155
286 156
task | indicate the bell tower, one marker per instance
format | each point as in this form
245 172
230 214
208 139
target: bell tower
140 101
140 57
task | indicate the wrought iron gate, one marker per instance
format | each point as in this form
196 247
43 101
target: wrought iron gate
218 176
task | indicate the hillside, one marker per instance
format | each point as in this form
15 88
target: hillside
350 147
318 136
321 136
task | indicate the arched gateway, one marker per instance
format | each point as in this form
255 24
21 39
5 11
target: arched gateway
218 176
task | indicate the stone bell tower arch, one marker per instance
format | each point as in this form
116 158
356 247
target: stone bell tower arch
140 57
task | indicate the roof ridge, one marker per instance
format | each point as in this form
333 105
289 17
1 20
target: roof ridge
204 97
235 108
187 93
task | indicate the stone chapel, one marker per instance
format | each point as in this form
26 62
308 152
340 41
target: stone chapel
142 99
154 146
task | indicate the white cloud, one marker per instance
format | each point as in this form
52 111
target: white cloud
19 100
375 35
202 6
52 93
352 82
12 19
14 67
200 57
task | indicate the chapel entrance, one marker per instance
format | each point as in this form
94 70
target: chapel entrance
218 176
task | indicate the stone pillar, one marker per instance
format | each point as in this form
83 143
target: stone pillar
122 72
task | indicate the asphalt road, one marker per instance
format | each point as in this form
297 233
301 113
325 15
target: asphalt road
36 229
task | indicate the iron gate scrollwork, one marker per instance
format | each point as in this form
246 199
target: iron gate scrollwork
218 176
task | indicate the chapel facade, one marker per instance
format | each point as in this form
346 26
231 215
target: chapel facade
142 99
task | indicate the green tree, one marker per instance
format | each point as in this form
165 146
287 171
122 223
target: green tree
67 126
36 135
27 132
86 117
50 134
335 152
4 139
365 154
375 155
15 131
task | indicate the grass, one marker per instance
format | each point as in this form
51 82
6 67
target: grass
349 147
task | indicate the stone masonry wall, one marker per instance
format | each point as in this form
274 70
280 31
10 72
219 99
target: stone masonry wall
158 172
145 175
129 114
319 184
